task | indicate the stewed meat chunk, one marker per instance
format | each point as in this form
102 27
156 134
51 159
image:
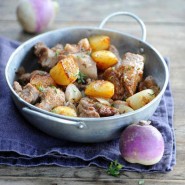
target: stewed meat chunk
29 93
82 46
51 97
126 76
149 83
40 80
89 107
130 73
86 108
47 57
25 77
112 75
105 110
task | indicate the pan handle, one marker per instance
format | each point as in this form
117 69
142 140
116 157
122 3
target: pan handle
32 113
141 23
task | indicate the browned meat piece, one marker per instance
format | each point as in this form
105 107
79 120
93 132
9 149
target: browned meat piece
29 93
40 80
149 83
17 87
51 97
82 46
39 72
86 65
86 108
114 50
47 57
25 78
71 48
105 110
57 48
111 75
131 72
91 108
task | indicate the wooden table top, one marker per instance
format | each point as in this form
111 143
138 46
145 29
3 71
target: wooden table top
165 23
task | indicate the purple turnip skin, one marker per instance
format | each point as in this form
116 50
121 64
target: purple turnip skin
141 143
44 12
36 15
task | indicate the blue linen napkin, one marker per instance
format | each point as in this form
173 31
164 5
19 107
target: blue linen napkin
21 144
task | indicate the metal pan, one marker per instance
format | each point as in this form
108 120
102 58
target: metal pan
87 130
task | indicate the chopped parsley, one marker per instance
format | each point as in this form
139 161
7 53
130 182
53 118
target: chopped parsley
88 52
81 77
114 168
40 88
52 86
124 98
111 78
141 182
54 111
57 52
80 56
127 68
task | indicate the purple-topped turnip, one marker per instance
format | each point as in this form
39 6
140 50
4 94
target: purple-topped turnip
36 15
141 143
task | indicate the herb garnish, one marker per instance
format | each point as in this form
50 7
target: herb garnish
111 78
114 168
78 56
141 182
88 52
81 77
57 52
52 86
40 88
55 89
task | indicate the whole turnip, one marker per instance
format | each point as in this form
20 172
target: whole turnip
141 143
36 15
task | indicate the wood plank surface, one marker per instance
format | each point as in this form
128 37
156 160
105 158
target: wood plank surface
151 11
165 23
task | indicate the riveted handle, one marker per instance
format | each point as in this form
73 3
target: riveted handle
141 23
33 113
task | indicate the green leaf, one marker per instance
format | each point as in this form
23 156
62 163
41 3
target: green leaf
57 52
40 88
114 168
88 52
55 89
141 182
81 77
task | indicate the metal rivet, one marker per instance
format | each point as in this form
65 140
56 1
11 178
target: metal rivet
141 50
81 125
